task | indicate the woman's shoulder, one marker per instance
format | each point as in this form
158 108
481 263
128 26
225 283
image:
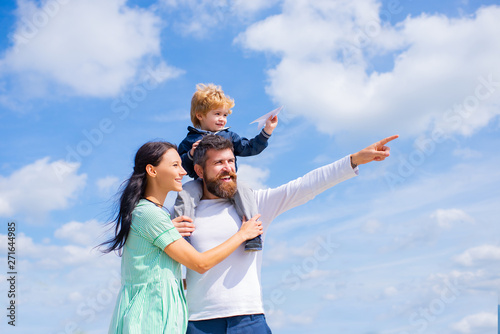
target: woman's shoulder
150 222
145 210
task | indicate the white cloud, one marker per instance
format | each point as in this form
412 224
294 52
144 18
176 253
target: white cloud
107 185
254 177
198 17
447 218
390 291
371 226
201 17
279 319
245 8
84 47
325 50
49 256
282 251
467 153
301 319
480 254
87 233
477 323
39 188
331 296
316 274
276 318
173 116
75 280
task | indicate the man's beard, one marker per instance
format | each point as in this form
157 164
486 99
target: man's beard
222 189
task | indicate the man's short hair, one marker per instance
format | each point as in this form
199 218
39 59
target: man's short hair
210 142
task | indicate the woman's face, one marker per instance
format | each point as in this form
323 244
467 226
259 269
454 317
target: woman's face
170 172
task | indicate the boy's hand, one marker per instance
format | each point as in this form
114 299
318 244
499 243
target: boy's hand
195 145
271 124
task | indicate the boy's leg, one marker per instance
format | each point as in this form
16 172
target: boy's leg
246 205
253 245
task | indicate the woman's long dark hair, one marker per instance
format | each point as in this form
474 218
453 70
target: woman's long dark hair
149 154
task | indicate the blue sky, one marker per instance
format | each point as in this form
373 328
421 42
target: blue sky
410 246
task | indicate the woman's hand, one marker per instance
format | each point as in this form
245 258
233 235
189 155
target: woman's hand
251 228
184 225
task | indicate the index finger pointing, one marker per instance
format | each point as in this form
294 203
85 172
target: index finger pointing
388 139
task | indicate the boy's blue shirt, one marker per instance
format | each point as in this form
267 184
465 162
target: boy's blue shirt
243 147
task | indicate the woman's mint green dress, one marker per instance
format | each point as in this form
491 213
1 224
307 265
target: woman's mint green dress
151 299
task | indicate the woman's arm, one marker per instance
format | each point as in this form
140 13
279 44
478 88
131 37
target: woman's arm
182 252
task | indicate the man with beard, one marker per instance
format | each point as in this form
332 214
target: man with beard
227 298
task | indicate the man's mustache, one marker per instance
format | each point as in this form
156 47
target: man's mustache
226 173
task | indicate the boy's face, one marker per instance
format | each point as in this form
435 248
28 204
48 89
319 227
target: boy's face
214 120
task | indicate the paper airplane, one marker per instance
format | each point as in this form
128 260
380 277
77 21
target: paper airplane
262 120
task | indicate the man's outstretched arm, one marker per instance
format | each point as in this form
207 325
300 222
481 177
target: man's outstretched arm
273 202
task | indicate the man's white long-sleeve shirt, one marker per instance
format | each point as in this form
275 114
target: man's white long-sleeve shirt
233 286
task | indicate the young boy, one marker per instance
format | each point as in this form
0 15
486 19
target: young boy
209 110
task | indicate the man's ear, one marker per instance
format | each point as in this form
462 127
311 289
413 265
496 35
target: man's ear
198 170
151 170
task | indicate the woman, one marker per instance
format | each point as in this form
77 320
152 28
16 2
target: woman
151 299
